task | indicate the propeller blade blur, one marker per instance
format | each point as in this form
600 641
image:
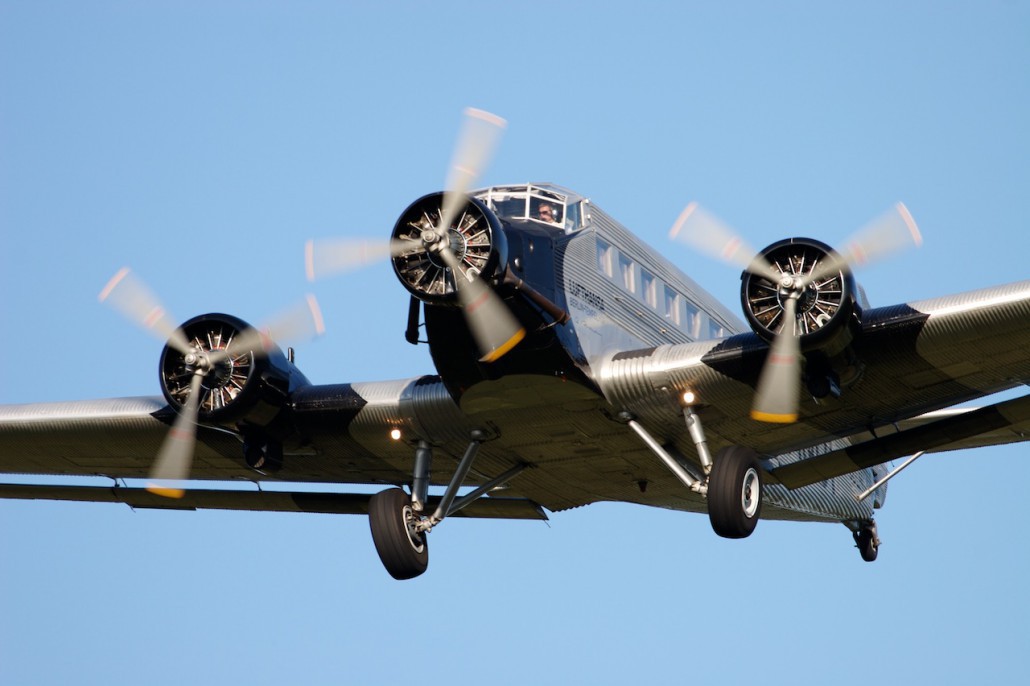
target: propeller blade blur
706 233
300 322
175 458
332 256
127 293
475 147
777 393
494 327
889 233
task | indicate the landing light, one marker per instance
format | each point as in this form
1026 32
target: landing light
395 434
689 397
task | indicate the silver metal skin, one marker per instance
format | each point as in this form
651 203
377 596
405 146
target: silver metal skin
640 349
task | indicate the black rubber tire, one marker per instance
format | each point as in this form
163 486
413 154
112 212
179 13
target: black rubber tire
867 547
403 557
735 492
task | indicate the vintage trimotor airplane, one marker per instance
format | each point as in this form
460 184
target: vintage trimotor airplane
574 364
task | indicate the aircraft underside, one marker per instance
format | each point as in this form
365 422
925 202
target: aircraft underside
574 365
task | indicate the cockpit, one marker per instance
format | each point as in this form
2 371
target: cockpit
543 203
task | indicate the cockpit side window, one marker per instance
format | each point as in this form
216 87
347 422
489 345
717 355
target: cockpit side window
572 218
547 211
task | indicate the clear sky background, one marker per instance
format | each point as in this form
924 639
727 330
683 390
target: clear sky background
203 142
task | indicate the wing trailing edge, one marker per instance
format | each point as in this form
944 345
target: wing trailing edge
1004 422
259 501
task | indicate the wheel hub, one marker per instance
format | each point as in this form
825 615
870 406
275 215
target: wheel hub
750 493
412 526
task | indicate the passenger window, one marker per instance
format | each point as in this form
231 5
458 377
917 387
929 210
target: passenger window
604 258
649 288
672 306
693 321
626 273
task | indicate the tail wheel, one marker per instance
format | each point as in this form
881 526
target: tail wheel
868 543
735 492
403 550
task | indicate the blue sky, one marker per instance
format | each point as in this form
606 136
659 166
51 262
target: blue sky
203 143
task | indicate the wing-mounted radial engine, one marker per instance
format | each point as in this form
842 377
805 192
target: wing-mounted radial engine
246 381
827 313
799 295
217 370
475 239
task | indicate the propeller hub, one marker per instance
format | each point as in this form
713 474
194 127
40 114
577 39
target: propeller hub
455 242
215 373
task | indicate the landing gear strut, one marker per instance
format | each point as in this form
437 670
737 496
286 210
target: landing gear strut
732 481
400 523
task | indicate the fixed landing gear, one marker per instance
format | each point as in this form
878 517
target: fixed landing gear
732 481
401 523
866 540
735 492
401 545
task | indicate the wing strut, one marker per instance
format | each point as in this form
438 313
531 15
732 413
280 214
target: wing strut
869 491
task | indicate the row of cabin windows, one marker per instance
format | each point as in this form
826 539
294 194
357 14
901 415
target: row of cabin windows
662 298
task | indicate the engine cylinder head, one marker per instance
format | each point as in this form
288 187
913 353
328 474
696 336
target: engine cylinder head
475 237
826 308
244 385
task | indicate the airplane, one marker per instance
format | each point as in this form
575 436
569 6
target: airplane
574 364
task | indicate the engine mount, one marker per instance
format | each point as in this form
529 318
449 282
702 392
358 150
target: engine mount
476 238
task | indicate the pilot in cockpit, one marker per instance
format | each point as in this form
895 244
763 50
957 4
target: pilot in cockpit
547 212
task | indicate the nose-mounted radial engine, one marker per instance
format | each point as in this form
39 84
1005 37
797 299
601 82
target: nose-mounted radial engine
799 295
447 248
475 238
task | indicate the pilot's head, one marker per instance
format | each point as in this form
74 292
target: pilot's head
546 212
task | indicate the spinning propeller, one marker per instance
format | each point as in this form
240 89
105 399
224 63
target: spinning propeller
777 394
494 328
128 294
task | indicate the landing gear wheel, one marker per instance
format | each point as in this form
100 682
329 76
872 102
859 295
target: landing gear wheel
403 551
735 492
867 542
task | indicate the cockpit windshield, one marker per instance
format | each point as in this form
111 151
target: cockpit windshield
546 204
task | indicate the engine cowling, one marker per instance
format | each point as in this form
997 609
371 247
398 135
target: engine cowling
476 238
828 312
249 386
